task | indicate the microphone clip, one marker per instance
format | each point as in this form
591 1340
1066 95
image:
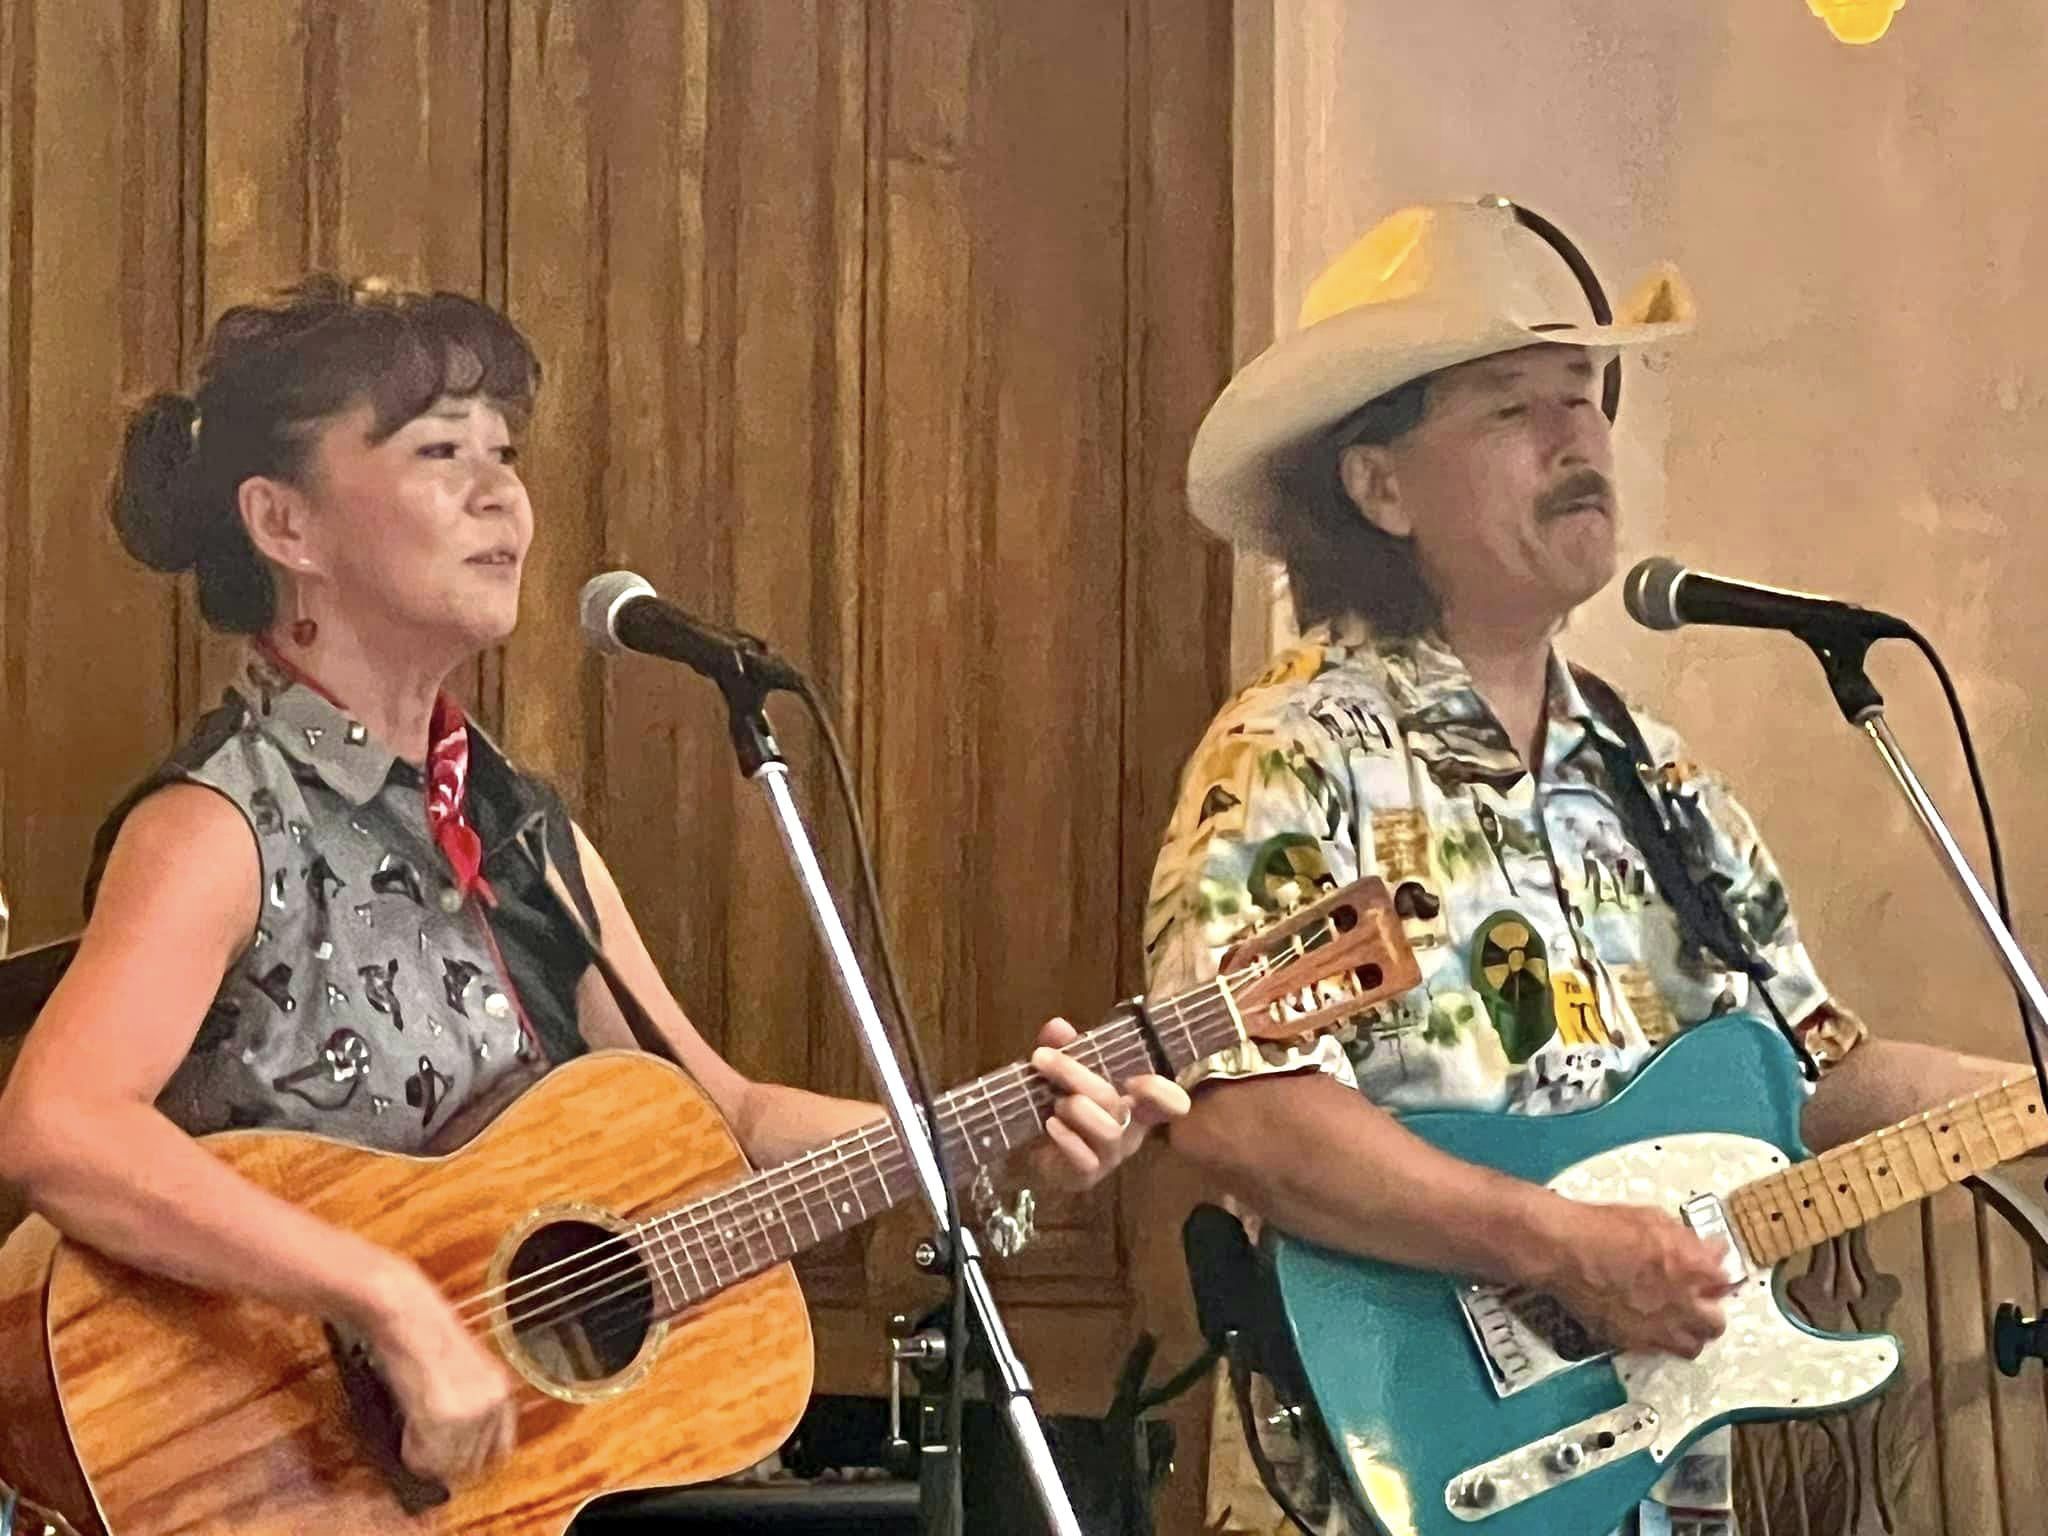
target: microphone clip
1841 649
746 691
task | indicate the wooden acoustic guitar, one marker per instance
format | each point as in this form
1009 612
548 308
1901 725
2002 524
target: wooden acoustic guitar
604 1234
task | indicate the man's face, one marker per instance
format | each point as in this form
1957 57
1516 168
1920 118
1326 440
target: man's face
1505 486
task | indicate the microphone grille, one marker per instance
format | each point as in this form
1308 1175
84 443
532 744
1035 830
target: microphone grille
598 607
1651 593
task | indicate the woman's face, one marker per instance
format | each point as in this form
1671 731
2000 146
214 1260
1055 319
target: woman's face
423 535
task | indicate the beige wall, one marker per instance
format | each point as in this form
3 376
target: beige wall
1862 412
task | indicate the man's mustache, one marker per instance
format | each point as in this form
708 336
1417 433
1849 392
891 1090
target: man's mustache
1580 485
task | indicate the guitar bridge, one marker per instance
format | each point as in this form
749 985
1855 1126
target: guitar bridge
1525 1337
379 1427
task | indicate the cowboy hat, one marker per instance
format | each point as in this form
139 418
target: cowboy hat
1426 288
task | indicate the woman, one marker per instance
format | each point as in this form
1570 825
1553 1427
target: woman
337 907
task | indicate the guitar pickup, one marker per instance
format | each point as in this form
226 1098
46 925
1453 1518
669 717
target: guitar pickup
1709 1222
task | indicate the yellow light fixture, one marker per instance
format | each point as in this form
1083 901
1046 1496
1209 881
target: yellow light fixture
1856 21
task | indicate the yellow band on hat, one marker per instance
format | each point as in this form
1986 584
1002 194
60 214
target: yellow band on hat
1388 262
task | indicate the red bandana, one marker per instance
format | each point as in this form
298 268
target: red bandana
447 797
447 779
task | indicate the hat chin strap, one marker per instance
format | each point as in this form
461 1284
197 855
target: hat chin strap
1582 269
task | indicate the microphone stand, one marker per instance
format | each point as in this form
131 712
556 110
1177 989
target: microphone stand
745 689
1841 650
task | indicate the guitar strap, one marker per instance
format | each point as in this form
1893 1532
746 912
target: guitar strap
540 826
1667 825
577 908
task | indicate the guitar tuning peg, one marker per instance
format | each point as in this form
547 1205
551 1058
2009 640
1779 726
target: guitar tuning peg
2016 1338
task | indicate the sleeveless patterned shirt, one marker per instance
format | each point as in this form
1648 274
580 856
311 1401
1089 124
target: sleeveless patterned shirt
373 1002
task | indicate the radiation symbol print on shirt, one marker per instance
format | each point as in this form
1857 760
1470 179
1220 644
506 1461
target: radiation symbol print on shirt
1511 973
1529 1000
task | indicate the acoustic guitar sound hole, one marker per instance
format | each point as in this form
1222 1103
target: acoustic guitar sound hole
580 1301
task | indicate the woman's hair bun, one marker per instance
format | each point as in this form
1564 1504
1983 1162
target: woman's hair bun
160 521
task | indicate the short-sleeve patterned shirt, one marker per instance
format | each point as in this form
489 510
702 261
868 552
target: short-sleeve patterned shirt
1551 967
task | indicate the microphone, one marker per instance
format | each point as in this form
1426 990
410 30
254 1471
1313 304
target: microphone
1662 594
620 612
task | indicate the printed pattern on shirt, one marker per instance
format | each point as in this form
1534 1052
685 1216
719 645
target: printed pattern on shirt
1552 968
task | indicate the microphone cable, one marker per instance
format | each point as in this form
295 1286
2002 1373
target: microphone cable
1991 844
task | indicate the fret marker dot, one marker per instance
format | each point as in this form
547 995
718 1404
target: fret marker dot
1882 1170
1807 1204
1841 1189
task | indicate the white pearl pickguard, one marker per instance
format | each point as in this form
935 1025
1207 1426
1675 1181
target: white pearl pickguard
1764 1361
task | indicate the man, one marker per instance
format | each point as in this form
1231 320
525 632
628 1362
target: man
1429 456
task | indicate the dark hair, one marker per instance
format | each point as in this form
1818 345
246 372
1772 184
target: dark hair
270 375
1337 562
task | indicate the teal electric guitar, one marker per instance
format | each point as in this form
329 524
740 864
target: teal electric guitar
1465 1409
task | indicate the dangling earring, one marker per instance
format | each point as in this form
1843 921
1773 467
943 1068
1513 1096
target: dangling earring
304 630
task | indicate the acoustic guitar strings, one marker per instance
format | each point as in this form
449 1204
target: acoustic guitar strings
823 1170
